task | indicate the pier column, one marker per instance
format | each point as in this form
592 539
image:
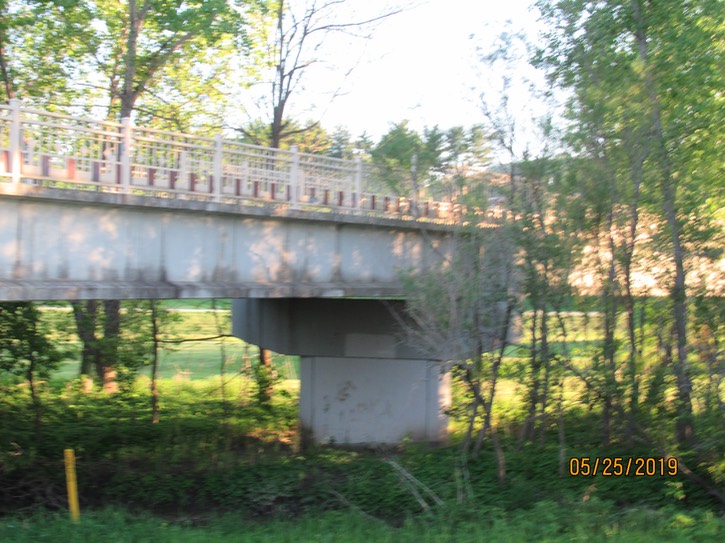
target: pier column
359 384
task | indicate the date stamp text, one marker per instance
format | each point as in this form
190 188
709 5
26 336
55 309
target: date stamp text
620 466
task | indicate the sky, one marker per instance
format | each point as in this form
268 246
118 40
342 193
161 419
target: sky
420 65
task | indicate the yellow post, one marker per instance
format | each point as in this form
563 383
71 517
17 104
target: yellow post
70 479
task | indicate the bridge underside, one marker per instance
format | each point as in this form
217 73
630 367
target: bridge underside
359 383
61 245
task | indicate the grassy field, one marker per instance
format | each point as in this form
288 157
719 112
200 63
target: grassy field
199 361
195 360
189 360
547 522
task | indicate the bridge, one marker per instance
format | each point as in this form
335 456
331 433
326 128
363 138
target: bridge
307 245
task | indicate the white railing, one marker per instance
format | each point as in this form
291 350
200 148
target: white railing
49 149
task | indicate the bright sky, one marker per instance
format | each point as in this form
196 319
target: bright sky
420 65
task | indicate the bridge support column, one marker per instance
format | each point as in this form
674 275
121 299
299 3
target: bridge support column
355 400
359 384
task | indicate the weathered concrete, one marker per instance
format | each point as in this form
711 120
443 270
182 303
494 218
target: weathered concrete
356 400
57 244
359 382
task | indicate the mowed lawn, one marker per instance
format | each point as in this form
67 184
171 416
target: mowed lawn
545 522
195 356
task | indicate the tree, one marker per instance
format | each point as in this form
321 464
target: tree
39 42
313 139
644 106
98 354
138 41
26 350
528 201
294 38
460 313
294 35
341 144
460 172
158 319
394 155
123 52
134 46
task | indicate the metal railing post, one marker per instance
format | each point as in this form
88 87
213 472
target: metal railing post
295 180
358 181
126 154
414 188
218 167
16 157
183 174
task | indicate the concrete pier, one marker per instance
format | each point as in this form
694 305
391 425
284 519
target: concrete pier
360 384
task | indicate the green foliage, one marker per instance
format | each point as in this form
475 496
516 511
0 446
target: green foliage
134 47
39 43
632 197
203 455
162 60
199 457
308 138
446 164
341 145
25 346
547 521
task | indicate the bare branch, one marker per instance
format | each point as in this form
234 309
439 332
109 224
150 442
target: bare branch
208 338
357 24
288 133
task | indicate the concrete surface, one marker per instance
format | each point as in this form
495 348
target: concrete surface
57 244
360 382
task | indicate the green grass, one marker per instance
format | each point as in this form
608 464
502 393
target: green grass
546 522
201 304
199 361
213 453
190 360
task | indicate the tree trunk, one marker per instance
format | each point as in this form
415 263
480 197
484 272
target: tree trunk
609 349
128 92
561 429
278 88
265 376
85 319
685 424
35 400
154 364
469 429
528 428
5 71
109 353
546 361
98 355
629 302
222 360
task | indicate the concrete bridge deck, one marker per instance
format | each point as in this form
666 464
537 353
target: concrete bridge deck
58 244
